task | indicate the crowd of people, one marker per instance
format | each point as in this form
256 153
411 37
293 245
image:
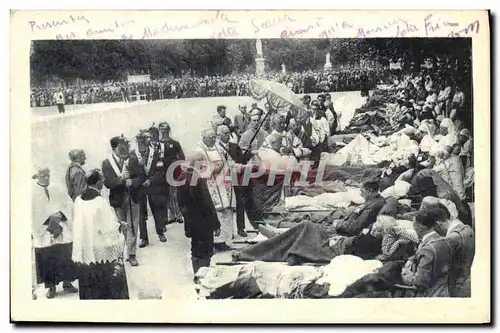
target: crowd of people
208 86
426 233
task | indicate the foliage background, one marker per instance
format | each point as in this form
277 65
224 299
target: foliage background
102 60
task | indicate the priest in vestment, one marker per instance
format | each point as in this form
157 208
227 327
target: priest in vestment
98 244
51 234
214 169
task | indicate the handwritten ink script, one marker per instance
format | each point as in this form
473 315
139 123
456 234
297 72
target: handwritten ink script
334 28
221 24
259 25
397 28
297 32
38 26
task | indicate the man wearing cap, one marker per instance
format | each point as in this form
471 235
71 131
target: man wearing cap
171 151
155 190
51 236
124 178
76 181
245 141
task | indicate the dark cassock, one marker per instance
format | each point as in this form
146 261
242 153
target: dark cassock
98 246
124 177
51 235
200 217
171 151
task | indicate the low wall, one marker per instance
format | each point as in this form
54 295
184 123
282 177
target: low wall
89 127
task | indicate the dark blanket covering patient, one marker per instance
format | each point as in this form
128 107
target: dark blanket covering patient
309 242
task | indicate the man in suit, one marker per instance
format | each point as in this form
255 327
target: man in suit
241 121
462 241
233 155
76 181
428 270
365 215
155 188
123 176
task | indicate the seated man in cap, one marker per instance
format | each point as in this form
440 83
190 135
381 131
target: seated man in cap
76 181
51 236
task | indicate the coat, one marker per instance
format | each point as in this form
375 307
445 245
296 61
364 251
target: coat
155 171
362 218
430 267
241 123
116 185
76 180
463 245
195 203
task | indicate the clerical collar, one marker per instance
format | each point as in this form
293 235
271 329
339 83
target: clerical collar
424 238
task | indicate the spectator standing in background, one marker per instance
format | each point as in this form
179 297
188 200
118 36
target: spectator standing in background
59 100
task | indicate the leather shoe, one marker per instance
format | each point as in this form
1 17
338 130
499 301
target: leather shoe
133 262
162 238
242 233
51 293
69 288
144 243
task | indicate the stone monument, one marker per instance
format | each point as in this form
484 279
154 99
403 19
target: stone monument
283 68
260 63
328 65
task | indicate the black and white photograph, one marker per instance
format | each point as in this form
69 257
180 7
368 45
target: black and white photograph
253 168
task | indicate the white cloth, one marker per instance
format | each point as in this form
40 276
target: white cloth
95 232
42 207
344 270
398 190
272 160
320 128
451 138
278 279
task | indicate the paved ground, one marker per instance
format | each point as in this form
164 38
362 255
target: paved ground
165 268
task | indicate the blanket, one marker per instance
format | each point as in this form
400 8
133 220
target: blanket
306 241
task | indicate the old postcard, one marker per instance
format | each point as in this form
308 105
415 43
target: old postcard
250 166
